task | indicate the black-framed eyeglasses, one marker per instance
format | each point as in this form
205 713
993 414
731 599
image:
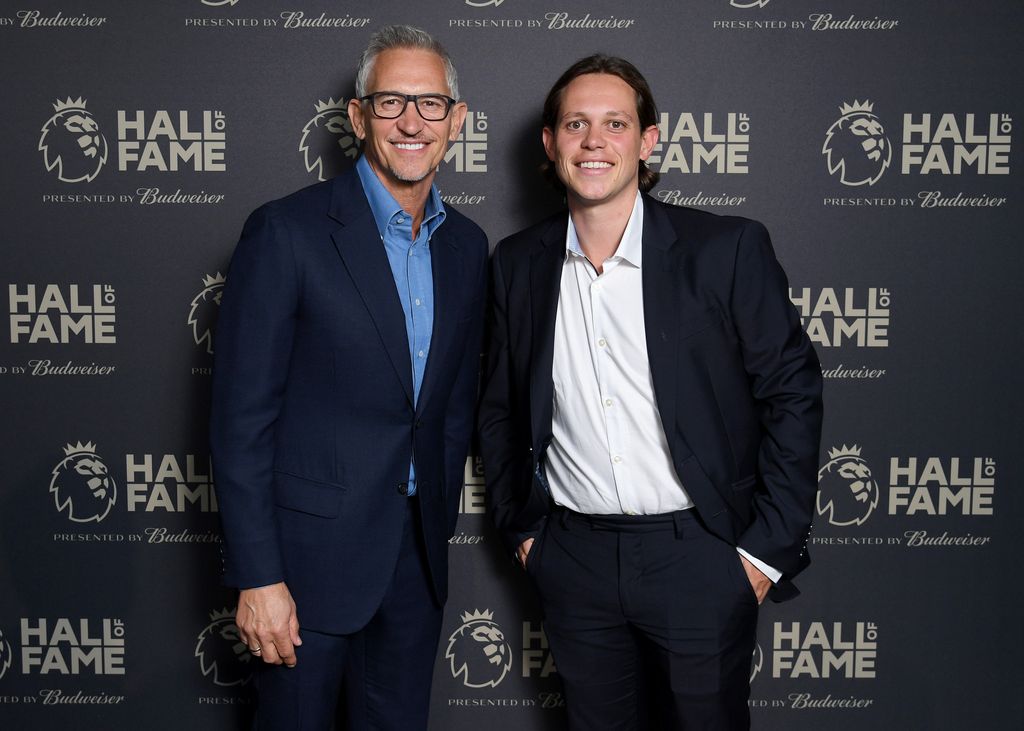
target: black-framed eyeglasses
392 104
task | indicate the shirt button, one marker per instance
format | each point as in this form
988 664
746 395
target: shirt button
607 402
616 459
602 342
403 488
418 303
399 220
421 354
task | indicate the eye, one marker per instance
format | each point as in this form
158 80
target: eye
389 102
431 103
574 125
617 124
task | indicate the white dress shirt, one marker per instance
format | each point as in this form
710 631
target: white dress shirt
609 454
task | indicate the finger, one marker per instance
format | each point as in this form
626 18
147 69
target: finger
524 551
293 630
284 648
243 633
269 652
283 645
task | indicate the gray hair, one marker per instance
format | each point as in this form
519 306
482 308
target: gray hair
403 36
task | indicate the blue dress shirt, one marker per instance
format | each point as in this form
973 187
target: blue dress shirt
411 268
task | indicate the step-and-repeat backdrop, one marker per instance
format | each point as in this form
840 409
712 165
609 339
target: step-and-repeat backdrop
880 143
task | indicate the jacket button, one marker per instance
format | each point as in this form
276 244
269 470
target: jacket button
403 488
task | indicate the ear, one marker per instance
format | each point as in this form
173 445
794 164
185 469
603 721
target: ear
548 138
458 117
648 139
356 119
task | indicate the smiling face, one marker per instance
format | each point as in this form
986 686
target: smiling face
405 151
597 142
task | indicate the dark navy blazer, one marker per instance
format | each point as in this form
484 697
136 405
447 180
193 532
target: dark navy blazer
736 380
313 422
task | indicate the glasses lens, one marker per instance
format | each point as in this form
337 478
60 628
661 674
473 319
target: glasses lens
432 107
388 106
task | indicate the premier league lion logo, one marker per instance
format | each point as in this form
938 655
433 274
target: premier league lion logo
856 146
223 657
846 491
478 652
5 655
205 307
328 142
82 487
756 662
71 142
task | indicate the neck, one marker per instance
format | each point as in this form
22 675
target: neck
410 195
600 227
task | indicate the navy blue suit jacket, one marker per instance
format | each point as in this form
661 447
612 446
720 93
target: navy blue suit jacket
736 380
313 422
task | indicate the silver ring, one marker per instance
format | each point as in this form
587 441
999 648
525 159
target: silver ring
256 650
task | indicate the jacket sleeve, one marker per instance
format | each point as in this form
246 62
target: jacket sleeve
461 411
786 384
255 330
504 422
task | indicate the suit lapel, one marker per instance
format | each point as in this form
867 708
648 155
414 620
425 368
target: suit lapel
661 309
359 245
448 278
545 276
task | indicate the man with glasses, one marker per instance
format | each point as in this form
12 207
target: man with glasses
346 371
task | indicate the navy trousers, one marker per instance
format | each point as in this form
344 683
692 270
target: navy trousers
651 622
386 668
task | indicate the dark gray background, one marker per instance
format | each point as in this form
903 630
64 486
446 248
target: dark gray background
948 634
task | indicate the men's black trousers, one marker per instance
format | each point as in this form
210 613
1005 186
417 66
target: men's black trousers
651 621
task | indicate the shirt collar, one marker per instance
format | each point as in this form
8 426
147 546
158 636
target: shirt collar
630 247
385 208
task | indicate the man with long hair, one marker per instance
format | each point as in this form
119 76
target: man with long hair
650 422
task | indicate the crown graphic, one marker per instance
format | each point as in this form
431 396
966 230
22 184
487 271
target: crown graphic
866 106
225 613
331 103
852 451
477 616
217 278
79 448
69 103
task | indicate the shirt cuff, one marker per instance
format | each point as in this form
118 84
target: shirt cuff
771 573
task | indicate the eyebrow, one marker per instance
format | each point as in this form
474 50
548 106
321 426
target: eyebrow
609 113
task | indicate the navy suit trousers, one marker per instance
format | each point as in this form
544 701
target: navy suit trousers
386 667
651 621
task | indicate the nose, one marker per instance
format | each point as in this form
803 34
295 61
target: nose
410 122
594 139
